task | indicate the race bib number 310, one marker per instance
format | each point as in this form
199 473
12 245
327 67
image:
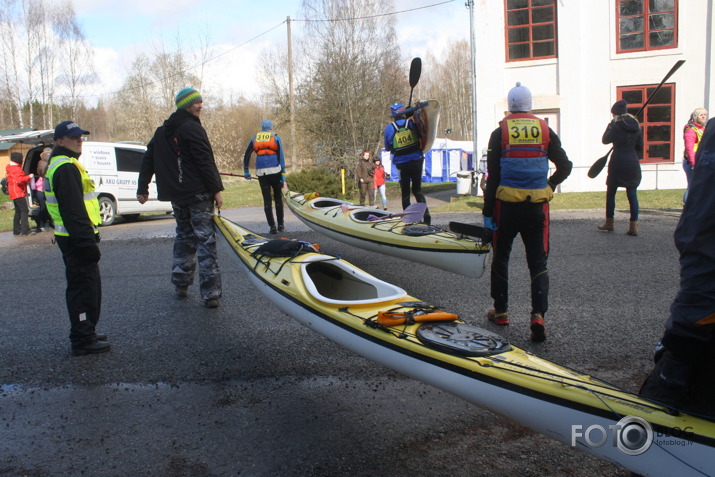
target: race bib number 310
263 136
524 131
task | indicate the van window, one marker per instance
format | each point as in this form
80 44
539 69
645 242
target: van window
129 160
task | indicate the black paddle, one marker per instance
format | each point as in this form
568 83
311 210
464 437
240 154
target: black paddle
415 72
598 166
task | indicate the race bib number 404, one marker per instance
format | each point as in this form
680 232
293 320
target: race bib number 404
524 131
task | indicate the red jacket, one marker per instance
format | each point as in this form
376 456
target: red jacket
16 180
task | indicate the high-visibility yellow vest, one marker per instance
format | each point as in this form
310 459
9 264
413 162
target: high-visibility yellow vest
90 196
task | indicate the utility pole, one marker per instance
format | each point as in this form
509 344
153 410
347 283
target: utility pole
473 48
291 100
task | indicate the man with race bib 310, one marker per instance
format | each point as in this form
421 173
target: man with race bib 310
517 202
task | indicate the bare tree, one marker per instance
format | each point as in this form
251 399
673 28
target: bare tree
347 71
9 57
448 81
78 70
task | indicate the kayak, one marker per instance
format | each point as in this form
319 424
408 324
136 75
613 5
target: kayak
383 323
390 234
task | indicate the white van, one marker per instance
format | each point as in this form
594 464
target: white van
114 168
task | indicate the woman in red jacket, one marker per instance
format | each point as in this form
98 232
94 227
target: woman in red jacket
17 182
380 182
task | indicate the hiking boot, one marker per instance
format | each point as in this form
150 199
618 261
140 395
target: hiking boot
500 319
211 303
181 291
607 225
93 347
538 332
281 228
100 337
273 230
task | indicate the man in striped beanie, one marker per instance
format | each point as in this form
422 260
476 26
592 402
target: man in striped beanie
181 157
186 97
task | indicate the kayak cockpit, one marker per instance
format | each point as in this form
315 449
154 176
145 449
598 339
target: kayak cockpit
336 282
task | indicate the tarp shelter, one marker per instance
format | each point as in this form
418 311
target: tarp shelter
442 162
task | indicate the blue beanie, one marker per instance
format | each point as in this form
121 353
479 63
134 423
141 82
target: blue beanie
266 125
396 109
186 97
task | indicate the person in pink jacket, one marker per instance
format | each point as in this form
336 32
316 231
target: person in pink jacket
692 132
17 182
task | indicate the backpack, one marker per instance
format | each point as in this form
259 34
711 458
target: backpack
3 184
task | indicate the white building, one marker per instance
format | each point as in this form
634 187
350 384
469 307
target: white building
579 57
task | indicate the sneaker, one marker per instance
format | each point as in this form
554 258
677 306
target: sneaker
538 332
93 347
281 228
273 230
501 319
181 291
211 303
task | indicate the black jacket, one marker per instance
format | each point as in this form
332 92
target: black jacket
624 168
180 156
67 187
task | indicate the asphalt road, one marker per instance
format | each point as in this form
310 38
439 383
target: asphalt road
245 390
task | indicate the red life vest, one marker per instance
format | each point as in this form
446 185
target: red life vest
265 143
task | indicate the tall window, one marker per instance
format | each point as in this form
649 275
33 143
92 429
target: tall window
656 120
645 25
530 29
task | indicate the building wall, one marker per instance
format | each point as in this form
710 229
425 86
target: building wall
578 88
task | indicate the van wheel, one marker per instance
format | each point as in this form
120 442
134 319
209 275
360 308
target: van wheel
107 210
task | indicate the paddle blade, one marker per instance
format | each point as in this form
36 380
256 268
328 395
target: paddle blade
598 166
414 213
415 71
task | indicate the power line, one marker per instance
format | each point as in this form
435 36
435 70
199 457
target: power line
373 16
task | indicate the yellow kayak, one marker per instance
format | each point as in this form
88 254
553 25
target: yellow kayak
382 322
387 233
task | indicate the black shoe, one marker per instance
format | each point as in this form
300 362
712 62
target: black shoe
211 303
93 347
281 228
100 337
181 291
273 230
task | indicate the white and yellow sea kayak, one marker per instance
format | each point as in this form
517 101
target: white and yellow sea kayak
390 234
381 322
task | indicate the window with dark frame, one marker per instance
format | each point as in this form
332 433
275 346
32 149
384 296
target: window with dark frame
656 120
530 29
645 25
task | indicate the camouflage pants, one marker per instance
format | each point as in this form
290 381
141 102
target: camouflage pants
196 237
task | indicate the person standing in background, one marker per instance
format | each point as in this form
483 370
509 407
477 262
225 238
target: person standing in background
271 172
17 182
380 177
366 178
624 168
403 141
72 203
180 155
692 133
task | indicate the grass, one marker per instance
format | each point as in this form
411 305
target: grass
241 193
647 199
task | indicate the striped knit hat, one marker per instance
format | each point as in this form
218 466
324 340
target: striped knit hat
187 97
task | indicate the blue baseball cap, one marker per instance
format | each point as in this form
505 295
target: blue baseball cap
68 128
396 109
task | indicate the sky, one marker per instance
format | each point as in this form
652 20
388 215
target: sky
238 31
